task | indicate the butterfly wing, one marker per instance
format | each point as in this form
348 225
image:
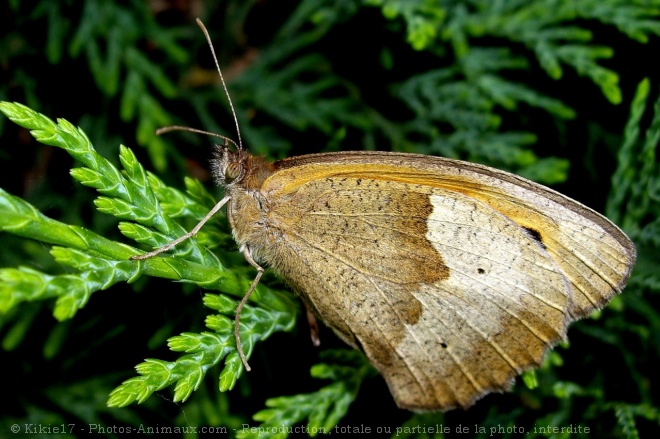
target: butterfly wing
451 277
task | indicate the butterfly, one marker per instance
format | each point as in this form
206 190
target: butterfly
451 277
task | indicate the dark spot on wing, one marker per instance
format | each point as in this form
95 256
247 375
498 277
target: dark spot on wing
535 235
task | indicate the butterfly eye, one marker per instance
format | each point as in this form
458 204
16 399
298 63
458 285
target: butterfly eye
232 172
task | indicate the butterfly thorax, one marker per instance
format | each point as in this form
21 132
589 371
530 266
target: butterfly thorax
242 176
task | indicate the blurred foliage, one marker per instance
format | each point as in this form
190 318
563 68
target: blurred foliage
552 90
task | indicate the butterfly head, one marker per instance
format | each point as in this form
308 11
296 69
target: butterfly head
239 168
228 167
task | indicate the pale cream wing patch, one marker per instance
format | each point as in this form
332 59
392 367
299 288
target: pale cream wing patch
463 302
593 254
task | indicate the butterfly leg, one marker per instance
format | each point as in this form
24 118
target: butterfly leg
237 335
313 326
180 239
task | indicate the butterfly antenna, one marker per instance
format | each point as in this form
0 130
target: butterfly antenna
167 129
222 79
